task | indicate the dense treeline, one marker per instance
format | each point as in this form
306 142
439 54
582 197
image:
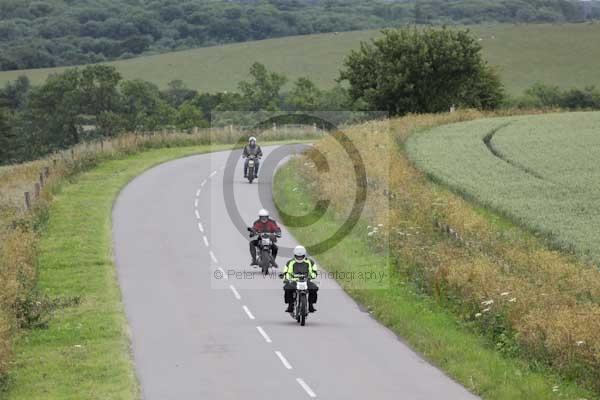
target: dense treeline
548 96
50 33
95 101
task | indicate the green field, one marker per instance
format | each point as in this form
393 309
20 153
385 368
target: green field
542 171
566 55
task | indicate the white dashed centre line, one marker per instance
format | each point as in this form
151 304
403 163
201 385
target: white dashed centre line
264 334
213 174
248 312
235 292
212 256
203 183
306 388
197 214
196 203
283 360
198 192
205 240
200 227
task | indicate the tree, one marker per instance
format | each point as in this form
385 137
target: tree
262 91
177 93
304 96
188 116
15 94
7 138
408 70
98 87
143 108
56 109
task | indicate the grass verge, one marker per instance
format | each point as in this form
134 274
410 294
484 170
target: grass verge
423 323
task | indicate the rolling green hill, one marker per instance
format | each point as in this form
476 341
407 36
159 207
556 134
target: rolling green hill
566 55
540 170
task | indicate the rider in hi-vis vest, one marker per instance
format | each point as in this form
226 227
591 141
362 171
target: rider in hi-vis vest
300 264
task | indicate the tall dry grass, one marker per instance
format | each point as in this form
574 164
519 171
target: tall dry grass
530 300
20 304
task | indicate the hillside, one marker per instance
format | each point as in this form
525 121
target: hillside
565 55
35 34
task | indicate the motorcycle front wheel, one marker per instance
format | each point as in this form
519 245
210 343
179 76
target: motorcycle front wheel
265 260
303 308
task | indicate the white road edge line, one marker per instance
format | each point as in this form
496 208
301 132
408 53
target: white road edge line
223 272
248 312
235 292
198 192
212 256
196 203
213 174
306 388
283 360
200 227
205 240
264 334
203 183
197 214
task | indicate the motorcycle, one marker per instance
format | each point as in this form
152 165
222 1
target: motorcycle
252 159
264 256
301 299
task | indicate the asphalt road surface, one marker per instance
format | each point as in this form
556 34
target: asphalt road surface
206 325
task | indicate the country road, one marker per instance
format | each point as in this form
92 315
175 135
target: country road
205 325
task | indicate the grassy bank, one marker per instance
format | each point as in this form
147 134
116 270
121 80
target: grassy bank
472 291
425 325
563 55
84 351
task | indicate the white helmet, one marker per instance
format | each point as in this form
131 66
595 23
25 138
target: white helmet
252 139
263 213
299 251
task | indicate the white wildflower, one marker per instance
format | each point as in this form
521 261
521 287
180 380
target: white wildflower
512 300
486 310
504 294
380 225
370 233
555 388
478 315
579 342
487 302
78 346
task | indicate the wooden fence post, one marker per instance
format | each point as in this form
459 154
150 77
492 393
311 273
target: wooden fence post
41 179
36 190
46 172
27 201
